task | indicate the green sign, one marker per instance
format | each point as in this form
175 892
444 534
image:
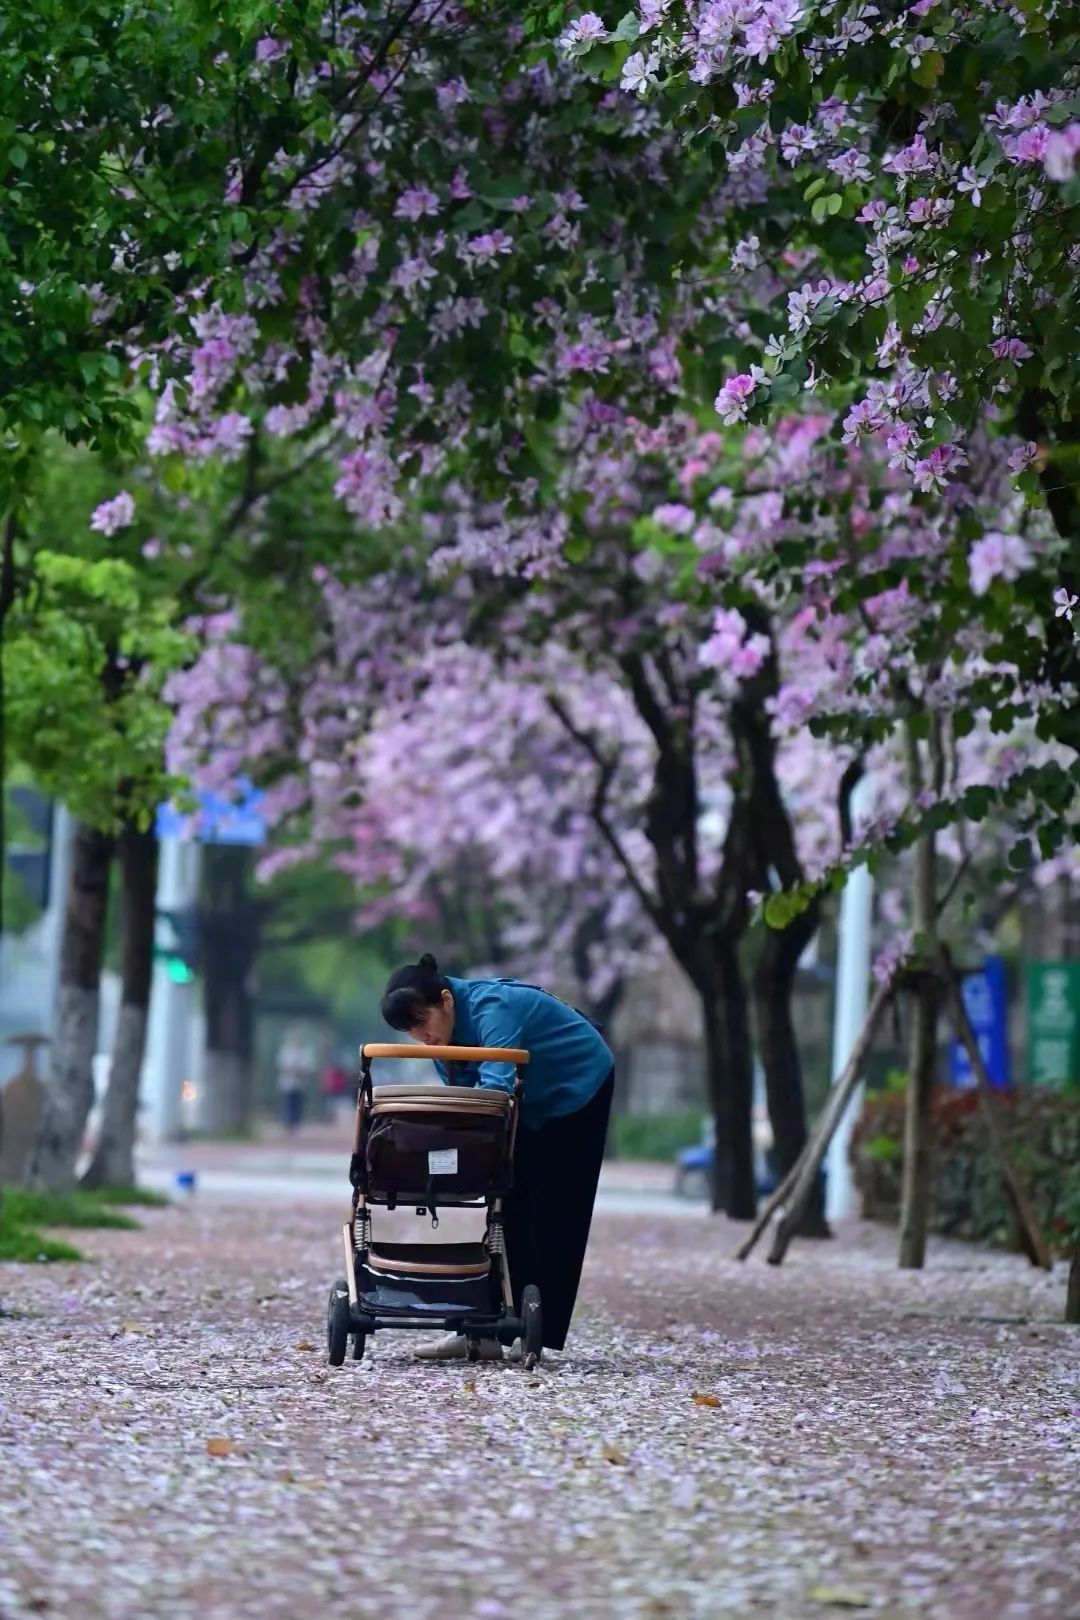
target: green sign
1053 1008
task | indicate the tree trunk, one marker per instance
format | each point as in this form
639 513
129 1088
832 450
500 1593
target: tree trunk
922 1065
927 995
1072 1296
7 599
228 937
915 1199
113 1161
730 1083
774 988
69 1086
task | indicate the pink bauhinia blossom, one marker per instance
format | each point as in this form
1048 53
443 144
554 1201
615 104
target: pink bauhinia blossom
111 516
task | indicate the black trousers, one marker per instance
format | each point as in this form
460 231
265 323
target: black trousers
549 1211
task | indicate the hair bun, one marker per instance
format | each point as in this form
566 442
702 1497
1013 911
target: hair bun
428 963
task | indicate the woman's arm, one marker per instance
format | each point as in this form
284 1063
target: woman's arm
497 1023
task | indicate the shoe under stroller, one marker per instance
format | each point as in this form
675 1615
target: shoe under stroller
432 1147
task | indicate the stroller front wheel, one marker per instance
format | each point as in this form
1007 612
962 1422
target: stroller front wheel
532 1328
337 1323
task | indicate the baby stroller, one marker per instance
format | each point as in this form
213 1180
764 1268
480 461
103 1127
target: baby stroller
433 1147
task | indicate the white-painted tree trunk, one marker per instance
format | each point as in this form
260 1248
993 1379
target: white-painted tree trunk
69 1088
69 1081
113 1161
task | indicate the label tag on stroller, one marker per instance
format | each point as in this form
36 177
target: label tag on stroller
443 1163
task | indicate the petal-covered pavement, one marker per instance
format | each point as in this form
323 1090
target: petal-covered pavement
718 1440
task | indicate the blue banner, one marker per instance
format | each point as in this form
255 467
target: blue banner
218 820
986 997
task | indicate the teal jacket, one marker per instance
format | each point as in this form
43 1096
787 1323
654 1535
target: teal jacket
569 1060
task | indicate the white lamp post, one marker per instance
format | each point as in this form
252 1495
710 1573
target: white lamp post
849 1015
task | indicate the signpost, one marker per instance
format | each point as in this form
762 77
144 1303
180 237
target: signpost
218 819
174 997
1053 1003
986 998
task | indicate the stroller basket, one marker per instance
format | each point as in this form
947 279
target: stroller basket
450 1141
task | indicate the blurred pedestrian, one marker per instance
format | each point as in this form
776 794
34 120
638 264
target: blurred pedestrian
338 1087
297 1064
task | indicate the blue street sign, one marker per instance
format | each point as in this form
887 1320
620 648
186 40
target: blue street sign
986 997
218 819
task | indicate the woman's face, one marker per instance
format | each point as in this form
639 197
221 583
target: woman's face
437 1025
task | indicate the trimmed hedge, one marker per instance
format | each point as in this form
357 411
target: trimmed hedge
1042 1130
654 1136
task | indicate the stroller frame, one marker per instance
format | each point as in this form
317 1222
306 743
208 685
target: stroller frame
459 1288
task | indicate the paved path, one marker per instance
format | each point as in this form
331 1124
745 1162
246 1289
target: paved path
314 1169
717 1442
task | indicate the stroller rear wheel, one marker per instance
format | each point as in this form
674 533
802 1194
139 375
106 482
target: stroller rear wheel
532 1327
337 1323
358 1342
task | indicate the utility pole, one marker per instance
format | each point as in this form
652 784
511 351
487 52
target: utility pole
173 997
849 1014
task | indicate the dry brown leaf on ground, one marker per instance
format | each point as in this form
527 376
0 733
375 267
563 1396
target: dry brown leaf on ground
304 1344
706 1400
220 1447
839 1597
613 1455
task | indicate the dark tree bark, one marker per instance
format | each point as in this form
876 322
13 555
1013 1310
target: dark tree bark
7 600
228 934
590 933
915 1203
702 923
729 1063
113 1161
778 1044
704 919
781 950
1072 1297
926 998
69 1085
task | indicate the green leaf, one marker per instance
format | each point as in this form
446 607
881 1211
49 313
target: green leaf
1022 855
628 29
931 67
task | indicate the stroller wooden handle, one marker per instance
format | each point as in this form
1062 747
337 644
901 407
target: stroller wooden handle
446 1054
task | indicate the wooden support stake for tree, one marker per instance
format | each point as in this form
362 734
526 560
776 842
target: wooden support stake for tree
1031 1237
794 1192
